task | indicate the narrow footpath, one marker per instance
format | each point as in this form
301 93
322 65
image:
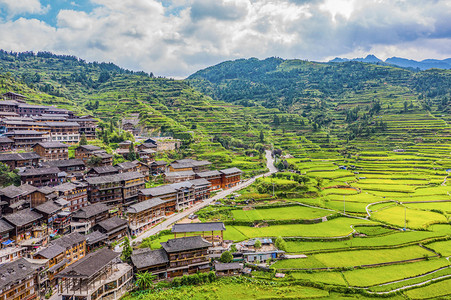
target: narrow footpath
178 216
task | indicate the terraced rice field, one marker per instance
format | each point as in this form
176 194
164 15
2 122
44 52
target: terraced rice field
282 213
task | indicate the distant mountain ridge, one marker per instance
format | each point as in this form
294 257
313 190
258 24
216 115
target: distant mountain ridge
401 62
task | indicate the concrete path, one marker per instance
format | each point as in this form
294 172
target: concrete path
178 216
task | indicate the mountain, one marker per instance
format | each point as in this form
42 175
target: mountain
402 62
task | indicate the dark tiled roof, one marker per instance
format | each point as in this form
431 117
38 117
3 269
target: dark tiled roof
15 271
90 147
114 178
64 163
52 145
12 191
185 244
231 171
179 174
149 258
5 140
4 226
90 211
62 124
90 264
112 223
58 265
126 165
103 154
67 186
94 237
200 182
19 156
229 266
46 190
141 206
22 217
208 174
148 145
104 170
197 227
39 171
48 207
70 240
51 251
24 132
158 191
159 163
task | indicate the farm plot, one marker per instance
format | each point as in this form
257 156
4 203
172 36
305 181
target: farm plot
333 228
438 289
354 258
334 278
444 248
280 213
442 206
415 218
375 276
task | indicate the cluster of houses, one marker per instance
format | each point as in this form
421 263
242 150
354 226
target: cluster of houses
56 228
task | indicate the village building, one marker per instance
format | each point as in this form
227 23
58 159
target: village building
127 166
178 257
19 160
9 251
85 152
15 97
14 198
214 177
114 228
147 155
142 168
164 143
158 167
102 171
70 166
230 177
27 228
67 132
98 275
6 144
211 231
165 192
49 151
174 177
28 110
86 217
76 193
228 269
95 240
143 215
87 126
41 177
49 211
189 165
19 280
106 159
41 195
147 146
26 139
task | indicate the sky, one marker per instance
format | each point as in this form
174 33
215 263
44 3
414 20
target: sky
175 38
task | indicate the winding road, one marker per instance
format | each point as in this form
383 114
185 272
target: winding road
181 215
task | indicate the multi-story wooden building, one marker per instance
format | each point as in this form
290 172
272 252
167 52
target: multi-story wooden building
27 226
76 193
15 198
158 167
86 217
14 96
19 280
85 152
26 139
41 177
67 132
87 127
189 165
28 110
49 151
230 177
143 215
102 171
214 177
18 160
115 228
70 166
6 144
165 192
179 176
211 231
98 275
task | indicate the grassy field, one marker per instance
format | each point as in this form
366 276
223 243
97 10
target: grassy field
282 213
353 258
439 289
444 248
415 218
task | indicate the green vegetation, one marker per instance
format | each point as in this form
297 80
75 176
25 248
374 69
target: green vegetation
282 213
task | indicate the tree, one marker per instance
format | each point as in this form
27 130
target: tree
8 177
145 280
281 244
258 244
262 137
126 250
131 152
94 161
226 257
83 140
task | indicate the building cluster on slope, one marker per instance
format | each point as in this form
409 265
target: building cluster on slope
53 225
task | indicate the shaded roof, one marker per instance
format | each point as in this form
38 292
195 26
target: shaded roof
228 266
179 174
58 265
62 124
199 182
46 190
64 163
94 237
12 191
90 211
12 272
148 145
40 171
141 206
159 163
158 191
52 145
67 186
89 147
104 169
90 264
208 173
4 226
48 207
5 140
19 156
126 165
103 154
231 171
114 178
69 240
22 217
197 227
24 132
185 243
149 258
112 223
51 251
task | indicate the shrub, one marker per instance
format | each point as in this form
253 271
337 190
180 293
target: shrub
226 257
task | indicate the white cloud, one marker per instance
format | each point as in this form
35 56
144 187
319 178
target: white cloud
16 7
186 35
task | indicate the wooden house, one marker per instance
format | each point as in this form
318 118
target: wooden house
49 151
